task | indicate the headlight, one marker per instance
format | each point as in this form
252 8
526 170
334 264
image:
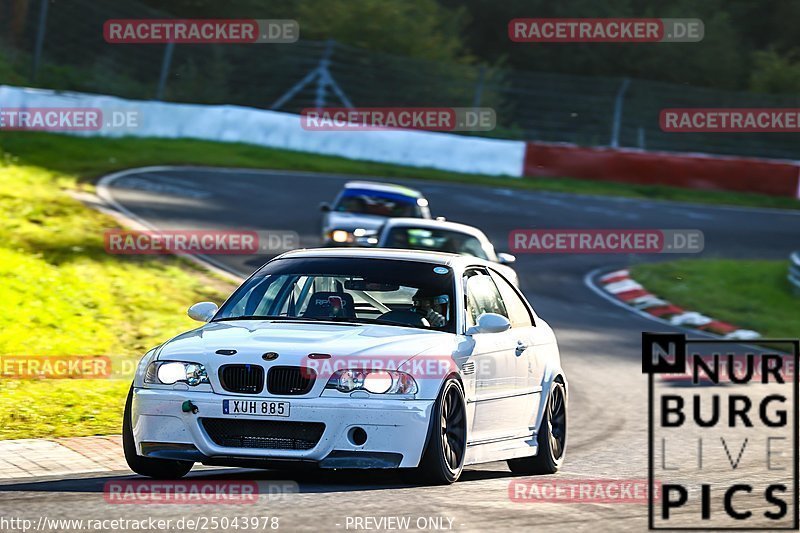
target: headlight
169 372
374 381
341 235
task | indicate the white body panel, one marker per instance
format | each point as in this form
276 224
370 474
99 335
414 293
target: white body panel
505 376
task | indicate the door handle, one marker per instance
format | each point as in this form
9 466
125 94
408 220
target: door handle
521 347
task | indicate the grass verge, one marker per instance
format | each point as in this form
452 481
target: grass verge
64 296
753 294
90 157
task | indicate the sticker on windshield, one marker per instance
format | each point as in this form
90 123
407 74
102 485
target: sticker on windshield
440 270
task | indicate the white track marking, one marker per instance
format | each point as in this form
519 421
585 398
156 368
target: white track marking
137 222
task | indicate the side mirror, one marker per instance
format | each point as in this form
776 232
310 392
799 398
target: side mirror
324 207
203 311
490 323
505 259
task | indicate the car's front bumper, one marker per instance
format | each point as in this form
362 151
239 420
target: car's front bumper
396 430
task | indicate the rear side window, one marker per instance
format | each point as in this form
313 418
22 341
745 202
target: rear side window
482 297
454 242
518 313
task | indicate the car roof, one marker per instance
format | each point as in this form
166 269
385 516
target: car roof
423 256
435 224
383 187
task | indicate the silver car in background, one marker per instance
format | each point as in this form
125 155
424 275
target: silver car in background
363 206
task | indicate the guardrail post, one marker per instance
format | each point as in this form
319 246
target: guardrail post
40 33
615 126
794 271
322 81
476 101
165 64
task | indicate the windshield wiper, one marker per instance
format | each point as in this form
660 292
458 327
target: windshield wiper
335 319
256 317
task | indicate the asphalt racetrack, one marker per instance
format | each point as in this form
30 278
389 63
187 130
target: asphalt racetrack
600 348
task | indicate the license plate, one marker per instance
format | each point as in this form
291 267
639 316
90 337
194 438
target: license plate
255 407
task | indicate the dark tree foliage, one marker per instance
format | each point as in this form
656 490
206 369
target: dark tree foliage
748 45
738 34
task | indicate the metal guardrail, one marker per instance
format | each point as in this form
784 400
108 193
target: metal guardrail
794 271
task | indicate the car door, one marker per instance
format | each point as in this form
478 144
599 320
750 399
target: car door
495 414
528 339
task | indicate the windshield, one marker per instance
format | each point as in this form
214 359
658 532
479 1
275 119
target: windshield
383 291
379 203
454 242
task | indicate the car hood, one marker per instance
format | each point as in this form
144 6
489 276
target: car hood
351 221
293 341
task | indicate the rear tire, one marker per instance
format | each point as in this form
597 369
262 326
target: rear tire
147 466
552 437
443 458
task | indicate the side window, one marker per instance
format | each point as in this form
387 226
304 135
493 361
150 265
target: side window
518 312
482 297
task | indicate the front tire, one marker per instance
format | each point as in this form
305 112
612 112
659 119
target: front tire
443 458
147 466
552 437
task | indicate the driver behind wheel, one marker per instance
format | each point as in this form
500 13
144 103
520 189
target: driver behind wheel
434 307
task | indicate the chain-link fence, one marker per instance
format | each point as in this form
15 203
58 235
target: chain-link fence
60 45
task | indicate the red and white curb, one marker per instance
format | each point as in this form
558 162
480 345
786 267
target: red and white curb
626 290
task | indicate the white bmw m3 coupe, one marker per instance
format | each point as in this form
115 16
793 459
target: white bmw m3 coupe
355 358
